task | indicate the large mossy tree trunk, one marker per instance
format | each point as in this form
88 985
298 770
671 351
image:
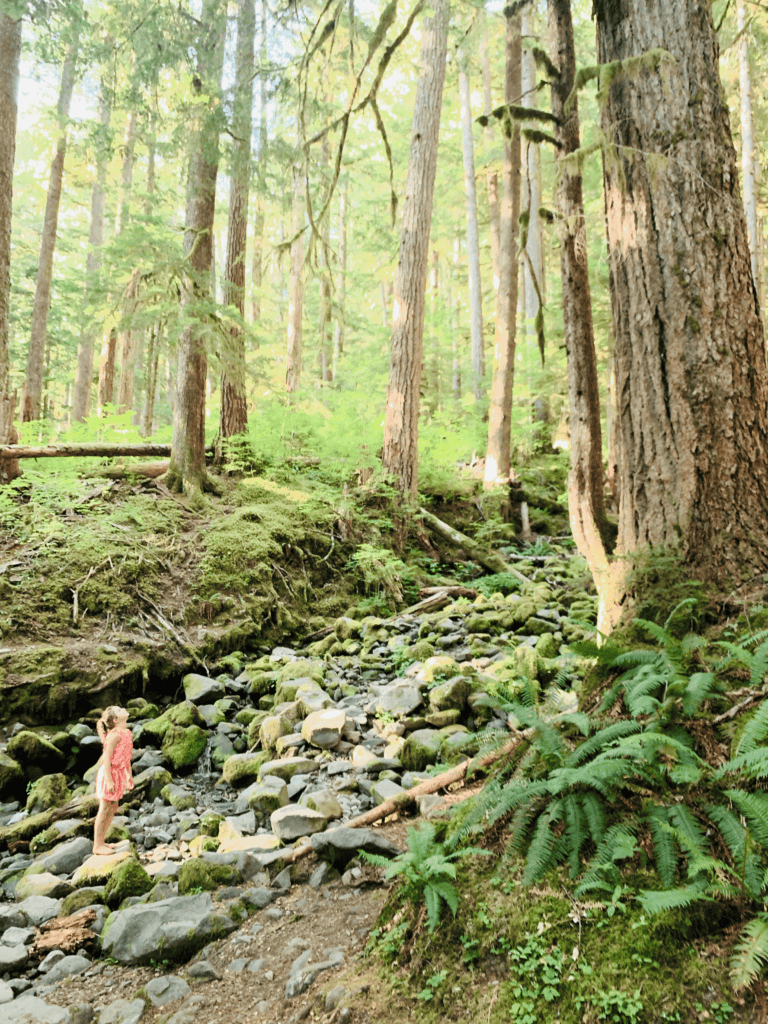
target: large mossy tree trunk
692 386
401 423
187 469
10 56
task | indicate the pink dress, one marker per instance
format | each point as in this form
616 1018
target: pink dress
120 768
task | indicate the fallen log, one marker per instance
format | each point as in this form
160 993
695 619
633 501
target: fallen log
151 470
60 451
403 800
489 560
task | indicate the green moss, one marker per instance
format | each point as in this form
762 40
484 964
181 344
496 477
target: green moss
128 879
48 791
209 823
183 746
199 874
79 899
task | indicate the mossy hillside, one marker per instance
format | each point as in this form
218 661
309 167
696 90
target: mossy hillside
538 954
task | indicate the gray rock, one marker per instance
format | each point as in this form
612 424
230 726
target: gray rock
238 966
67 857
12 917
6 992
166 989
283 879
122 1011
74 964
13 958
50 960
18 936
338 846
27 1009
385 790
293 822
399 700
256 965
334 997
260 897
80 1013
322 874
203 971
39 909
174 928
287 767
201 689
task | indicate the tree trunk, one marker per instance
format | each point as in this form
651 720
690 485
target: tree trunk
187 469
491 177
533 262
338 327
473 240
296 284
234 410
692 385
150 391
401 425
33 388
88 332
257 269
454 302
128 337
325 351
10 57
748 151
585 481
497 461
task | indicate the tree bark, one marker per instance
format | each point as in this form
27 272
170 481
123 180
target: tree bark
33 388
187 469
234 409
150 390
473 240
59 451
533 262
128 336
401 425
497 460
454 302
585 480
257 269
491 176
296 283
692 385
10 57
748 151
88 332
338 327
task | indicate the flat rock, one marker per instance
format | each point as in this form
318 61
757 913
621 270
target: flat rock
399 700
294 822
174 928
202 690
324 801
6 992
166 989
238 843
27 1009
67 966
39 909
97 870
13 958
122 1011
385 790
285 768
340 845
18 936
42 884
66 857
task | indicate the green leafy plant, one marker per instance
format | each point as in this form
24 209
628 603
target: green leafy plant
497 583
431 986
426 871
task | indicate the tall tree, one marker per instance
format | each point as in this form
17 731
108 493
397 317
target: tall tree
10 57
692 384
748 151
585 480
128 336
234 410
497 460
473 238
339 324
296 281
257 270
88 332
33 388
187 467
401 424
533 256
491 176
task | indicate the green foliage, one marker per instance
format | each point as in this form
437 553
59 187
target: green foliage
497 583
380 571
427 871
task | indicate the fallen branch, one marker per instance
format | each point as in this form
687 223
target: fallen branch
489 560
403 800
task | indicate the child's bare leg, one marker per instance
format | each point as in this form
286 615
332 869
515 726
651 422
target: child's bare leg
101 826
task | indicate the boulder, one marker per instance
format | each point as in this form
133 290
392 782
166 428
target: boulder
311 697
439 667
209 823
179 797
267 796
450 695
338 846
42 884
11 776
183 745
421 749
27 1009
181 715
287 767
66 967
171 929
166 989
30 750
201 689
293 822
384 790
97 870
39 909
66 857
13 958
262 843
152 780
48 791
323 801
82 898
272 728
301 668
196 874
399 700
242 769
212 715
222 748
323 728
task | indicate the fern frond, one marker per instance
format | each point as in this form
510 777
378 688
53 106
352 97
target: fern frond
664 849
576 831
750 953
755 731
683 820
447 892
577 718
595 744
754 807
759 665
432 899
692 642
594 813
696 692
676 609
751 765
519 831
632 659
541 852
656 902
617 843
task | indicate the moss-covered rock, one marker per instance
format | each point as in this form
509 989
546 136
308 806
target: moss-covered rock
11 776
98 870
254 726
81 898
265 799
48 791
153 780
302 668
421 749
199 875
178 797
222 748
128 879
311 697
203 844
183 745
240 769
261 683
421 650
272 728
32 751
209 823
245 716
450 695
182 715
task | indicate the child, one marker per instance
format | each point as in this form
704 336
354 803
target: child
114 775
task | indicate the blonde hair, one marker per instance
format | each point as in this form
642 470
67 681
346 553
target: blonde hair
108 720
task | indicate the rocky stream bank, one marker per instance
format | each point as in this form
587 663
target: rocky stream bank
199 910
